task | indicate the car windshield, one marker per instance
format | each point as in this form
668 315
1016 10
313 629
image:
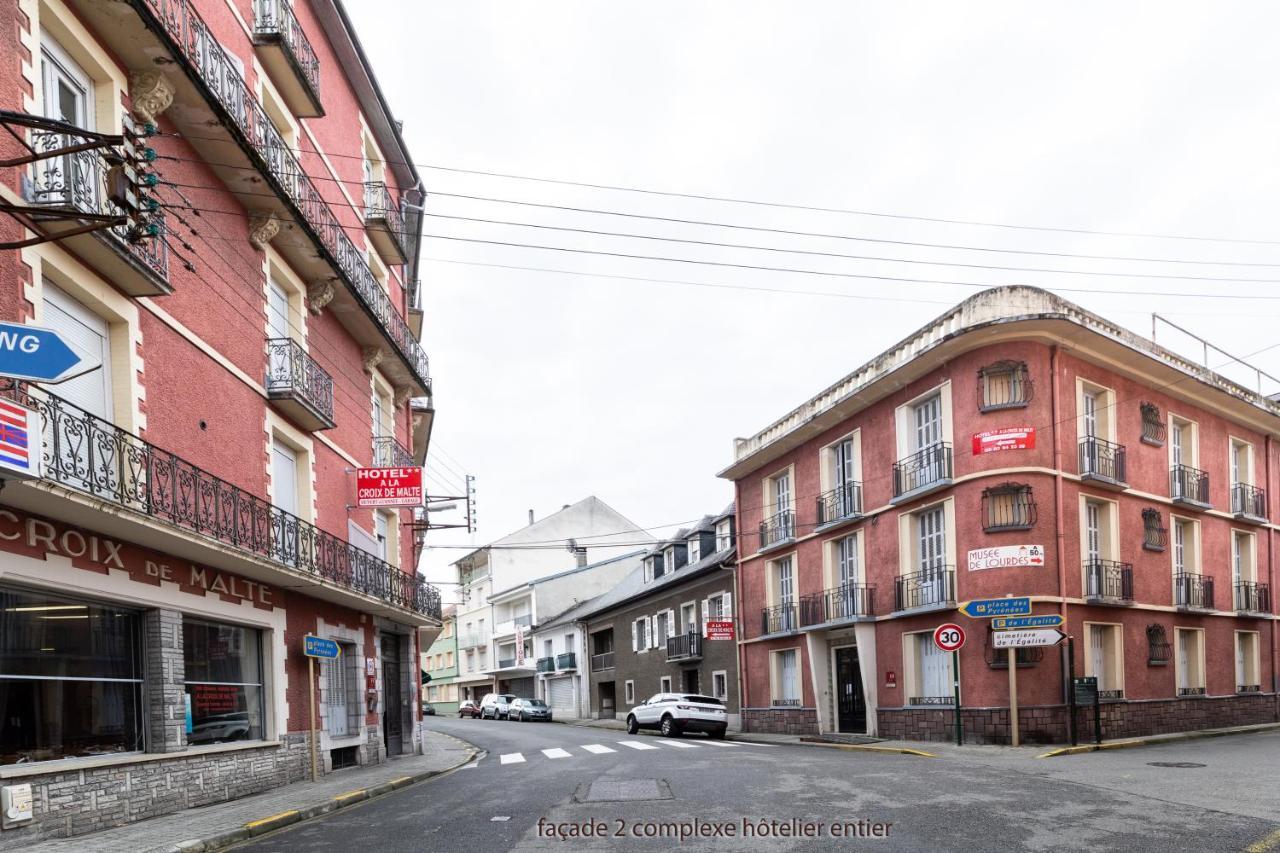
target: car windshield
535 703
701 700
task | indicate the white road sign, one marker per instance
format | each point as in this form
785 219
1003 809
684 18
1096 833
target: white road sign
1034 637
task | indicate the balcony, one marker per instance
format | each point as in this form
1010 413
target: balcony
566 662
1108 582
471 641
1249 503
386 225
1189 487
842 603
546 664
506 663
842 503
219 115
509 627
133 485
922 472
1253 598
1102 463
779 619
932 587
685 647
283 49
299 387
389 453
133 260
602 661
1193 592
777 529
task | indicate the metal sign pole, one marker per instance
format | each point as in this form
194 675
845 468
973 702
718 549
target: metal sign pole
1013 695
1097 716
955 674
1071 690
311 692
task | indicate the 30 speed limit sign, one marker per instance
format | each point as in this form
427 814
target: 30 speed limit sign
948 637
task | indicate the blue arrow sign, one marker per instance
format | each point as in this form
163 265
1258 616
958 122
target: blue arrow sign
41 355
982 607
319 647
1014 623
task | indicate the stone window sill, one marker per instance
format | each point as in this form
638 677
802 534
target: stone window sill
67 765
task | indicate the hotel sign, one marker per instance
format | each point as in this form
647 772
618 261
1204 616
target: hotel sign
389 487
1008 438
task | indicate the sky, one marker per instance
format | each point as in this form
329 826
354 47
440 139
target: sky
1132 118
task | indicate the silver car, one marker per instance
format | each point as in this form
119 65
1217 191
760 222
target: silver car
525 710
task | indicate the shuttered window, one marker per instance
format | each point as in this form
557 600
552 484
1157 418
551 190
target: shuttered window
90 391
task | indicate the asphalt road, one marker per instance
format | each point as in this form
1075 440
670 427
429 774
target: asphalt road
582 779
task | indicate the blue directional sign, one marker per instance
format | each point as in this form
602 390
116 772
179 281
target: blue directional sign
319 647
1014 623
41 355
983 607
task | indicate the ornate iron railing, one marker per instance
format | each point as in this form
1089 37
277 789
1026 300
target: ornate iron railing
922 469
1195 591
779 618
1102 459
1248 500
86 453
1008 506
1154 535
1110 695
1248 688
1108 580
290 370
1153 429
1189 484
1190 691
844 501
1004 385
1253 597
546 664
506 663
566 661
389 453
925 588
602 661
946 701
1157 645
778 527
275 19
380 204
684 647
842 602
213 69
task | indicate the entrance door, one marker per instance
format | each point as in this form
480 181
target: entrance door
851 704
392 727
689 681
607 711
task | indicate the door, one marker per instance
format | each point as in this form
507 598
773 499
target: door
1089 461
844 478
608 710
851 705
336 698
280 373
560 694
1176 455
847 591
932 546
1184 660
1097 655
689 681
782 503
284 487
935 670
928 435
786 594
72 179
1093 547
392 720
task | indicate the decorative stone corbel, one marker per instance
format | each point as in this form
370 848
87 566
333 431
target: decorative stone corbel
401 396
319 294
263 227
372 358
151 93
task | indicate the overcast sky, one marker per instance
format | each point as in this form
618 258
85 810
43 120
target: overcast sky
1157 118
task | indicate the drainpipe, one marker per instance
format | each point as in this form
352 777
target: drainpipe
738 603
1060 535
1271 566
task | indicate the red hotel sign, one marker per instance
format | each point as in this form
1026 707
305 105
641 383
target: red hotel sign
1009 438
719 629
389 487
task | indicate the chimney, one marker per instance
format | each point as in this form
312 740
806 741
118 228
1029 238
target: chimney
531 516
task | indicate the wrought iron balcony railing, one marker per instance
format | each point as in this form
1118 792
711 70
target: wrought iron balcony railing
602 661
1189 485
1191 691
470 641
274 23
1248 688
945 701
833 605
923 469
566 661
684 647
506 663
86 453
1193 591
196 47
389 453
779 618
842 502
386 225
777 528
1108 581
1102 460
926 588
293 375
1253 597
1248 501
1111 695
546 664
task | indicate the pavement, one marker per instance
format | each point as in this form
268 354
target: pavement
219 826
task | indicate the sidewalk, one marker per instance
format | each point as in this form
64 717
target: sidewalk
218 826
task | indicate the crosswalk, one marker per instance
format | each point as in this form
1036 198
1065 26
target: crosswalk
647 745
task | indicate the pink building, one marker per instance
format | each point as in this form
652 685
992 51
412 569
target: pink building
1015 446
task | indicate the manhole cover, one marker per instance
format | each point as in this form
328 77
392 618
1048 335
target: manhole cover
1174 764
624 790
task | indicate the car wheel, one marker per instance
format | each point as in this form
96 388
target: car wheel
633 728
523 718
669 727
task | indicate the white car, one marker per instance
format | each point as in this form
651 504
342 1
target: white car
675 713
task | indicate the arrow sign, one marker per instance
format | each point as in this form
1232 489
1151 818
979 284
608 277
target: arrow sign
41 355
1009 623
1021 639
981 608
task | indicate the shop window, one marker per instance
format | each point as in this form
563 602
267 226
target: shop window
223 682
1153 431
1008 506
1004 385
70 678
342 691
1157 646
1154 536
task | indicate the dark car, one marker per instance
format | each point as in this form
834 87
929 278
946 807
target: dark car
428 710
494 706
525 710
469 709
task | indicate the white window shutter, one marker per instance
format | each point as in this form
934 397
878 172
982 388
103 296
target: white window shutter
706 614
635 642
648 570
728 605
653 640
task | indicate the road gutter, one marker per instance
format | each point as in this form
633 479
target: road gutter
1156 740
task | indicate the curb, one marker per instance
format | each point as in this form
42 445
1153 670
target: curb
1157 740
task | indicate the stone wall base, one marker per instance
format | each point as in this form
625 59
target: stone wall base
780 721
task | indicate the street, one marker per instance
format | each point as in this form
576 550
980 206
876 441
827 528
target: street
545 786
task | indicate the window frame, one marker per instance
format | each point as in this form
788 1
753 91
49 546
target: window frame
777 686
1019 377
629 692
723 676
1254 662
265 698
1199 689
1113 650
1022 507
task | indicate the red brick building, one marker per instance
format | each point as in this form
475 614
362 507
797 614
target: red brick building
1015 446
255 310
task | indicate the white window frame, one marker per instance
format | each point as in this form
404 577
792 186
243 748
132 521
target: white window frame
1252 661
724 534
1181 677
720 684
664 684
778 688
629 692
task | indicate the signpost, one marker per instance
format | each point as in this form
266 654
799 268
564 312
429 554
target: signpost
1013 628
1009 623
1027 638
316 647
41 355
949 637
389 487
980 608
1085 692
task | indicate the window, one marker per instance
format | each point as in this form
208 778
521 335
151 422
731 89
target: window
848 571
926 578
1104 659
382 533
780 524
724 534
223 682
1244 568
840 476
1100 457
640 634
1153 431
784 594
1157 646
1241 462
669 559
689 618
70 678
1190 653
786 678
694 550
1186 559
653 567
1004 385
68 96
90 391
629 690
662 628
720 685
927 421
1154 535
1008 506
1182 442
928 671
1248 678
664 684
342 691
718 607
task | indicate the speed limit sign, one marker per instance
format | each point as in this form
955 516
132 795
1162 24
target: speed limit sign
948 637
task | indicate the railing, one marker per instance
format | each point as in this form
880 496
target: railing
926 588
1195 591
522 621
946 701
1248 688
778 527
785 703
1004 385
1108 580
1189 484
1253 597
602 661
1110 695
378 204
779 618
842 602
1154 535
194 44
546 664
86 453
389 453
1248 500
506 663
290 370
844 501
1102 459
1153 429
922 469
78 182
566 661
684 647
276 18
470 641
1190 691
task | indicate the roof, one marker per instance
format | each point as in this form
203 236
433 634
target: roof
529 534
707 524
631 555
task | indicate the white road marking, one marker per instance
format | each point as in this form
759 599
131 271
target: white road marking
635 744
512 758
472 765
753 743
597 749
555 753
680 744
720 743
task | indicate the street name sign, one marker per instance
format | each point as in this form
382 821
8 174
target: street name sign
983 607
948 637
1010 623
1022 639
41 355
319 647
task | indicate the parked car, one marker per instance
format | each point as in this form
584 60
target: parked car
525 710
676 713
469 708
494 705
428 710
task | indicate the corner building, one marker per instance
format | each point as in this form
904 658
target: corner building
256 314
1017 445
